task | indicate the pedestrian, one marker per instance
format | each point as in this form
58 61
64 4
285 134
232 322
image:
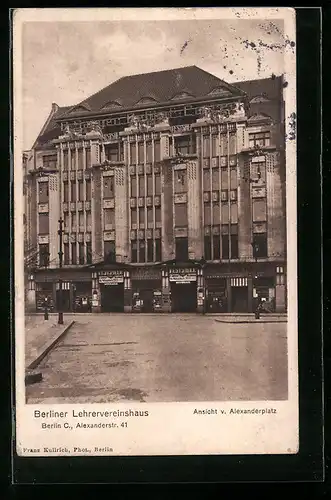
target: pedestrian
46 308
258 309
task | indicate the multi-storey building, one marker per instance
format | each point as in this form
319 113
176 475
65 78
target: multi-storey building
171 186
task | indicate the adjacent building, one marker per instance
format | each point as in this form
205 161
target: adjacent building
171 188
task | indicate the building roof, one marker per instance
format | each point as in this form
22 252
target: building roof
51 128
271 87
185 83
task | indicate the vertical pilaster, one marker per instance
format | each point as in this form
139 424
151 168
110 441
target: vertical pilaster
244 210
54 215
166 293
121 213
127 292
167 218
96 205
275 209
96 297
195 236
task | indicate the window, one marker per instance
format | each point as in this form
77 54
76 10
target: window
259 139
43 223
73 254
224 145
73 159
157 214
74 222
65 160
206 180
214 145
88 220
43 192
112 152
80 190
225 246
133 216
259 210
88 157
81 253
157 250
141 217
81 221
258 172
109 217
181 249
150 256
216 214
233 178
215 179
234 246
157 185
108 187
149 152
141 185
180 181
180 214
133 149
150 215
234 213
73 191
260 245
224 178
141 152
66 253
149 185
232 144
65 192
50 162
44 255
207 214
206 146
133 187
88 252
66 221
134 251
157 151
225 213
216 247
207 248
185 145
80 159
88 190
142 250
109 251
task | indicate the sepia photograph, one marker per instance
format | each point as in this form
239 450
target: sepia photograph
153 191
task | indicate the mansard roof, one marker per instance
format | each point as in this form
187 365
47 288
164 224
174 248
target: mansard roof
189 83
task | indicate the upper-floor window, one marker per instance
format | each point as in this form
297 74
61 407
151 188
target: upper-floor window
260 245
180 181
88 157
50 161
113 152
185 145
44 254
108 187
259 139
181 249
43 192
109 251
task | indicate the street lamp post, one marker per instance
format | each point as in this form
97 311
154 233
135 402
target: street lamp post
60 233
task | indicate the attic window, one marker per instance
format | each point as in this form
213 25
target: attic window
182 95
259 98
112 105
146 100
220 91
260 117
78 109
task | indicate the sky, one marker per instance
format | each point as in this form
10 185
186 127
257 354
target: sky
65 62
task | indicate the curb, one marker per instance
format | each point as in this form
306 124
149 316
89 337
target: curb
41 356
252 321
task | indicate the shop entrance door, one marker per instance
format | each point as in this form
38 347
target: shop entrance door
184 297
239 299
112 298
66 303
147 300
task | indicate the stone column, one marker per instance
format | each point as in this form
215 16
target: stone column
275 209
167 236
195 237
54 215
96 297
166 293
121 214
127 292
244 210
96 207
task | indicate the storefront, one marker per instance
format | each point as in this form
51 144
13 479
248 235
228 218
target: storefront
146 286
264 292
183 288
216 294
111 290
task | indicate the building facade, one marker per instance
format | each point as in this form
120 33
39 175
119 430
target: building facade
171 188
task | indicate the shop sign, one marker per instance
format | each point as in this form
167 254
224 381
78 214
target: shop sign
183 278
145 274
111 280
111 273
182 270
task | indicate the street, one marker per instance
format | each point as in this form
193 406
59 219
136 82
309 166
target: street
162 358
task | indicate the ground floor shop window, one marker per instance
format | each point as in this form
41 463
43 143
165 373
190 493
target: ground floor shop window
44 291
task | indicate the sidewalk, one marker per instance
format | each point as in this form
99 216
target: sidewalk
40 336
250 318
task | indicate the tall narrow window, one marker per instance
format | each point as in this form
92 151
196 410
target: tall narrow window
180 214
206 146
109 218
207 214
149 185
80 159
88 157
73 191
260 245
133 187
109 251
81 252
88 252
233 178
207 248
141 152
73 254
206 180
141 250
157 214
150 251
224 178
133 149
158 256
141 186
181 249
108 187
216 247
225 246
150 215
88 190
73 159
65 160
234 246
88 220
43 223
259 210
141 217
215 179
112 152
44 255
232 144
134 251
216 214
133 216
66 221
157 152
81 190
149 152
81 221
180 181
215 145
157 185
66 254
43 192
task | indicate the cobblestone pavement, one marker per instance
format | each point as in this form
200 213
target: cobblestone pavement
116 357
